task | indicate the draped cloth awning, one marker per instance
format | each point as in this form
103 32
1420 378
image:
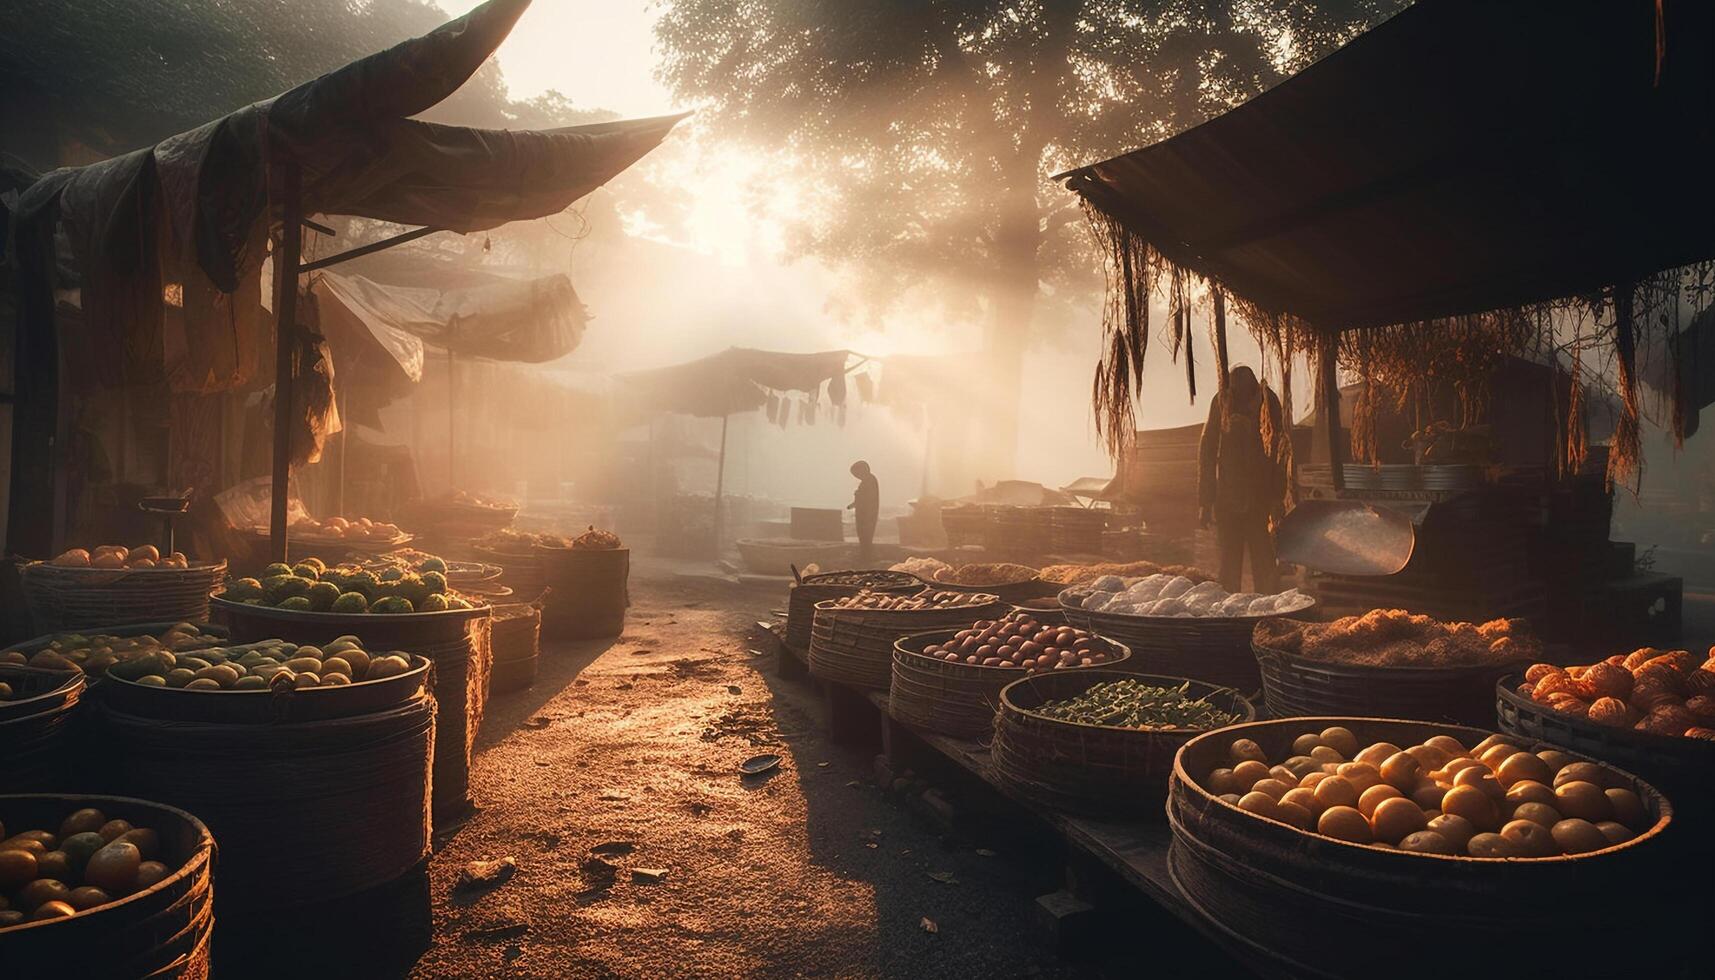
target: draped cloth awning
737 379
524 320
1464 156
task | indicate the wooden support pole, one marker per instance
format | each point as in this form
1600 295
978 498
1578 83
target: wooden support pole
1328 385
720 484
285 322
344 444
452 413
1221 365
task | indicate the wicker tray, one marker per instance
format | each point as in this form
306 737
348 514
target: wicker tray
62 599
521 571
1092 769
1682 767
279 704
802 597
855 646
955 698
1214 649
1296 685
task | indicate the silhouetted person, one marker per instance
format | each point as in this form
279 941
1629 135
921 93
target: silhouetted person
1239 484
867 506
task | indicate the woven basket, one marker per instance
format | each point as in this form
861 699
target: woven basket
802 597
954 698
1215 649
517 646
1033 588
855 646
353 792
586 592
1294 685
160 931
62 599
1046 610
1312 906
1681 767
1092 769
521 571
456 641
39 729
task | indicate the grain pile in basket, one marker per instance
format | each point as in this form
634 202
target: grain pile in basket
506 540
1178 597
1131 703
926 599
1080 574
1396 638
1649 690
986 573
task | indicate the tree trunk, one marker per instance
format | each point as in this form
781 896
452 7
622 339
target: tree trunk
1012 309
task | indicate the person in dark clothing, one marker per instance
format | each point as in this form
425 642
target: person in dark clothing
1240 485
867 505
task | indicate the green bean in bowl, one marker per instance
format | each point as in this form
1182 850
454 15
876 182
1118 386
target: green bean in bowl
1134 704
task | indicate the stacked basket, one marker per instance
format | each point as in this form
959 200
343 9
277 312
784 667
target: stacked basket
37 751
803 596
1216 649
520 571
517 646
78 598
855 646
955 699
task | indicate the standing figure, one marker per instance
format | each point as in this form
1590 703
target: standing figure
867 505
1239 484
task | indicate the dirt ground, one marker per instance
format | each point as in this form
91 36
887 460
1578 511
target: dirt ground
623 756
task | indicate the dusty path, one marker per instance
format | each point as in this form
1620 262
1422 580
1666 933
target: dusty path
633 744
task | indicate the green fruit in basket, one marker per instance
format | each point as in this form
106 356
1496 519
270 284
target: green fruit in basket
203 684
313 653
389 666
254 602
276 568
193 663
180 676
432 564
323 595
392 574
241 589
412 588
351 602
358 660
392 604
305 570
154 680
315 563
364 582
153 663
278 587
296 603
433 602
250 683
458 602
435 581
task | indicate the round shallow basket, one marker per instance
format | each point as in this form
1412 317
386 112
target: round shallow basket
39 729
1682 767
456 641
1317 907
1294 685
520 571
1045 609
164 930
62 599
304 811
1216 649
587 593
1093 769
35 645
276 705
855 646
517 647
955 698
802 597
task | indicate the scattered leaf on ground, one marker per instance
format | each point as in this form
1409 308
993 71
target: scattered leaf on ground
928 925
872 845
648 875
734 689
944 877
985 852
508 929
854 784
614 848
823 765
540 721
482 875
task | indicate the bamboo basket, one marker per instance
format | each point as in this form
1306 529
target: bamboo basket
517 646
855 646
1215 649
39 729
802 597
1092 769
456 641
1010 592
1312 906
955 698
1046 610
162 931
62 599
521 571
1679 766
585 592
1296 685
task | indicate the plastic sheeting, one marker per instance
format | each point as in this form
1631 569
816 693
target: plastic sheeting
738 379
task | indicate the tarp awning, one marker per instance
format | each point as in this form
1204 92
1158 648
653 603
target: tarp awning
1463 156
737 379
525 320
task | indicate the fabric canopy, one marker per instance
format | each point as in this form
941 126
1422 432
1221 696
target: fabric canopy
525 320
737 379
1464 156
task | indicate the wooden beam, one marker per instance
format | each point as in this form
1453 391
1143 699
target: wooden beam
286 272
362 250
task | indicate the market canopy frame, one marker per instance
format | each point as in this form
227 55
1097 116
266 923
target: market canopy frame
1461 159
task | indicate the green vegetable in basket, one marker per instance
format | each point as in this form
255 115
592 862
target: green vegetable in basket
296 603
393 574
154 662
276 588
276 568
323 595
433 563
392 604
305 570
239 590
1133 704
435 581
366 583
433 602
350 602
